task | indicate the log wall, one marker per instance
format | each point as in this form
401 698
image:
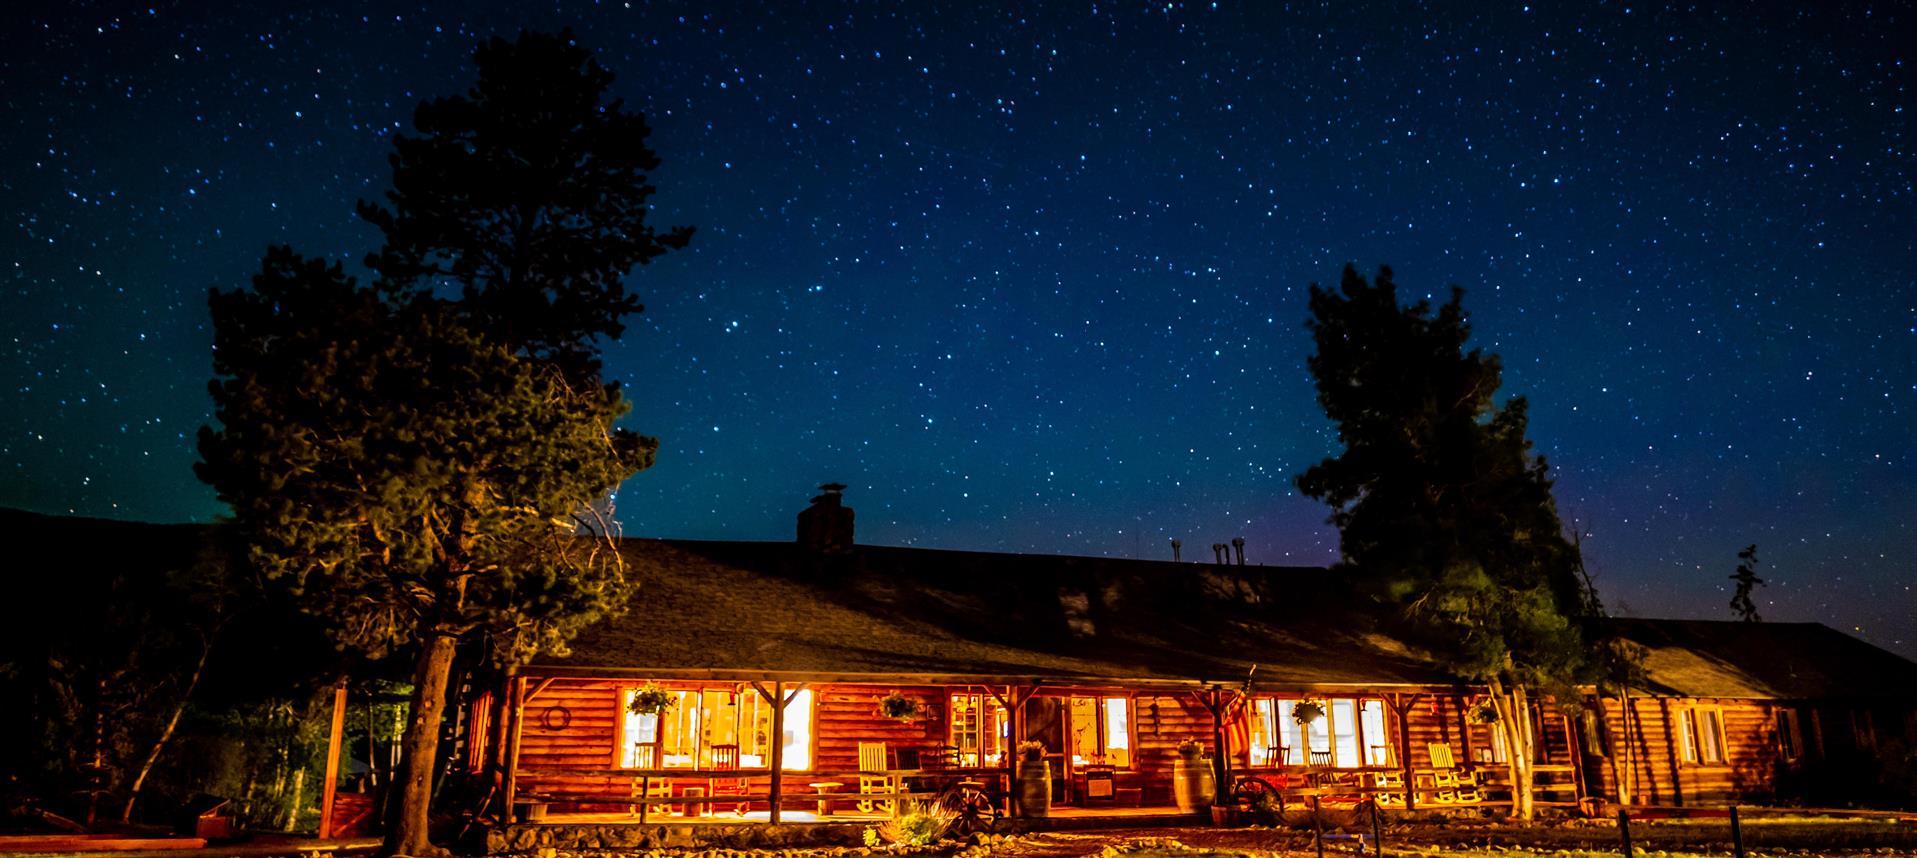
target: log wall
1649 757
583 737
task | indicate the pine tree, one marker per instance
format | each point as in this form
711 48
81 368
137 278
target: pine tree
425 458
1442 507
1747 580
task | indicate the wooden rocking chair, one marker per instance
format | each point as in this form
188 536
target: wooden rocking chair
874 779
1444 775
725 758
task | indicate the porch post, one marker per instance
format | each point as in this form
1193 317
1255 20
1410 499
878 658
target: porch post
1464 731
1013 736
1402 708
1221 763
329 785
777 791
516 686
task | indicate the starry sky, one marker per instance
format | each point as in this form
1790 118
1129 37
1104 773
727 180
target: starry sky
1034 280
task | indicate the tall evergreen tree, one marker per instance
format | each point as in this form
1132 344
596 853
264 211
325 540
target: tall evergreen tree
1442 507
423 457
1747 581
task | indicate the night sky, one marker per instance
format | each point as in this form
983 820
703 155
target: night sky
1035 281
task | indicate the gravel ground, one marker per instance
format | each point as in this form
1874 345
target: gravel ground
1815 837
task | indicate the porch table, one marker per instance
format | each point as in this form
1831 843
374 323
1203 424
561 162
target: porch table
825 789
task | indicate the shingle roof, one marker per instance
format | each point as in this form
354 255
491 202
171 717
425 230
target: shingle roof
1784 661
769 607
745 606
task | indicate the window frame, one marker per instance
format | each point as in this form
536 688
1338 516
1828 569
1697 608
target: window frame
1103 741
1279 713
1790 735
1691 723
698 692
985 704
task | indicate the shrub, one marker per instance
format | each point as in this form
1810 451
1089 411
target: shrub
918 824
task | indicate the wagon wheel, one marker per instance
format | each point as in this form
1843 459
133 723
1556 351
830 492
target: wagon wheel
972 810
1251 790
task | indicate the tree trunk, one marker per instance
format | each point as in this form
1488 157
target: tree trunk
166 733
299 798
407 835
1514 718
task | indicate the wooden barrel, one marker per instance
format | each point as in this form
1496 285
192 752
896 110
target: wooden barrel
1192 784
1034 789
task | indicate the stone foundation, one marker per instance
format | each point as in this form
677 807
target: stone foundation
548 840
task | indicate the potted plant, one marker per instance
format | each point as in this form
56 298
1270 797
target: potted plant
651 700
1034 781
899 707
1484 713
1193 786
1306 711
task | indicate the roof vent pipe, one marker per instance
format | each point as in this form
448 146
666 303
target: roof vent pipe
1176 544
1238 544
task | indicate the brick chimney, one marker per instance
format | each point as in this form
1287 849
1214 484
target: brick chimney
825 527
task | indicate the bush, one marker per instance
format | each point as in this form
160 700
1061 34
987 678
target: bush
918 824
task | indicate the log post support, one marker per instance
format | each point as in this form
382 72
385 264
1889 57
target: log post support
1013 700
1401 706
516 693
1217 703
779 698
329 777
1464 729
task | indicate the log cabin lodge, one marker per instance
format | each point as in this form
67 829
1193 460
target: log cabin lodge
776 656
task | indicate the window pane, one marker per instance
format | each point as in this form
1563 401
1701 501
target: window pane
1787 736
641 733
1084 721
1290 736
1711 736
679 732
1318 734
1344 731
1377 739
797 750
996 733
964 733
1687 735
755 725
1118 731
720 725
1262 738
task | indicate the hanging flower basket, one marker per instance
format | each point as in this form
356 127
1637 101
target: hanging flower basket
1307 711
901 708
1484 713
651 700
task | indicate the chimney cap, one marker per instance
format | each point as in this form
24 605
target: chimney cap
832 488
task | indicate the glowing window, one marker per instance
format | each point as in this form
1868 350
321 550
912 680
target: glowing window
1101 730
715 728
980 730
1351 733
